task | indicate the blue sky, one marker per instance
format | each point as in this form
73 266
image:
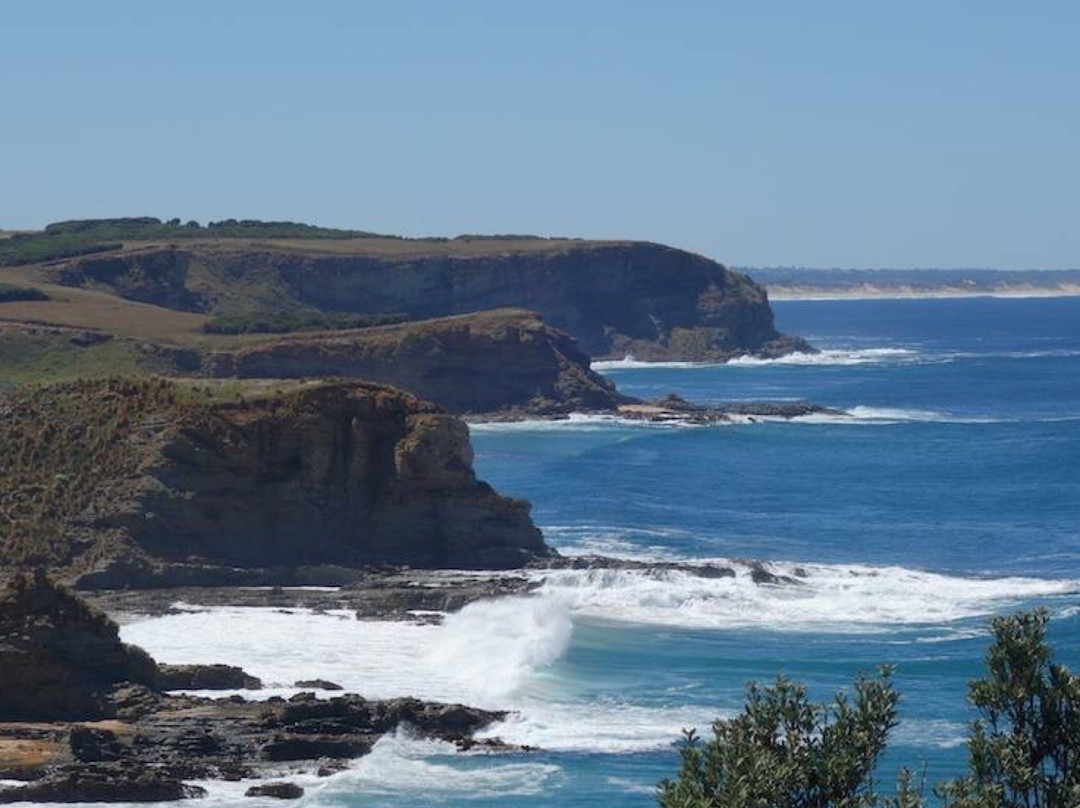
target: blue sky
814 133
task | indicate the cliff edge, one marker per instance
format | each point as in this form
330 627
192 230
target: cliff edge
150 482
615 298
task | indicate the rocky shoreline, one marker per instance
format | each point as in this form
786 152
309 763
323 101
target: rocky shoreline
669 409
85 718
422 596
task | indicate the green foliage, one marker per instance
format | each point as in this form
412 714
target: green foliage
282 322
783 751
85 236
1025 748
10 293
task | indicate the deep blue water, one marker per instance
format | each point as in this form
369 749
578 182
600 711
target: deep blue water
958 482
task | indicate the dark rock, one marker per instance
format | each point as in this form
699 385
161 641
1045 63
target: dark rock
318 684
478 363
60 657
104 782
91 745
312 747
280 791
205 677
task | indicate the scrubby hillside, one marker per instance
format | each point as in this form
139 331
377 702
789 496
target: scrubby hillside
147 482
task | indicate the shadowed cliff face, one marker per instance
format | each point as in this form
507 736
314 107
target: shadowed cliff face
476 364
614 298
58 656
168 480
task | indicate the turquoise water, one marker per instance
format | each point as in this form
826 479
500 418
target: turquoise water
958 482
949 495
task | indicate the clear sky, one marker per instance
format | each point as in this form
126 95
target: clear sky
809 132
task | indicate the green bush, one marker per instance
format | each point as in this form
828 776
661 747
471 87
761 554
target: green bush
783 751
84 236
1024 750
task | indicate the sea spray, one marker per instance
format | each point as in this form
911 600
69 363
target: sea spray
492 647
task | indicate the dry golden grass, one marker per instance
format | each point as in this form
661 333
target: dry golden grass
98 311
26 753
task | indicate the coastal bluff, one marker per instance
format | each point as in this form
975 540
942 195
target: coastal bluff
614 297
155 482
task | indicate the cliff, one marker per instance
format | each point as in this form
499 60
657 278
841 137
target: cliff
477 363
615 298
153 482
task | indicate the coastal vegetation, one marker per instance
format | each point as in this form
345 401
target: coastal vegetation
783 751
69 239
284 322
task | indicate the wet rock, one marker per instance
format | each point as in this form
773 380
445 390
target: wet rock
205 677
318 684
104 782
91 745
284 748
280 791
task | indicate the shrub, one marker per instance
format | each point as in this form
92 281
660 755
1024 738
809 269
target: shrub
1024 750
784 751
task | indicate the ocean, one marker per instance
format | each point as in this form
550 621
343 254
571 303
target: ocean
950 494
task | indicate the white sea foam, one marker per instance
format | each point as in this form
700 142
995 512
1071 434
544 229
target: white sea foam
834 598
504 654
630 363
833 356
575 422
401 764
841 357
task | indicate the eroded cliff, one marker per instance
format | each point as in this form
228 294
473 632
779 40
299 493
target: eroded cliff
650 300
153 482
470 364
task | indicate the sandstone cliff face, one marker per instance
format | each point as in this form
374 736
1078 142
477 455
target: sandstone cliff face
614 298
170 482
472 364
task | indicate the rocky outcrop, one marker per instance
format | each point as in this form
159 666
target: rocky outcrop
153 482
478 363
62 663
59 657
653 301
205 677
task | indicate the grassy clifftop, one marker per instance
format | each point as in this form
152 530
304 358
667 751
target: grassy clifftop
87 236
149 481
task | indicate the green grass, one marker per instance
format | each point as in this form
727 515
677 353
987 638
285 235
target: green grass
86 236
27 357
